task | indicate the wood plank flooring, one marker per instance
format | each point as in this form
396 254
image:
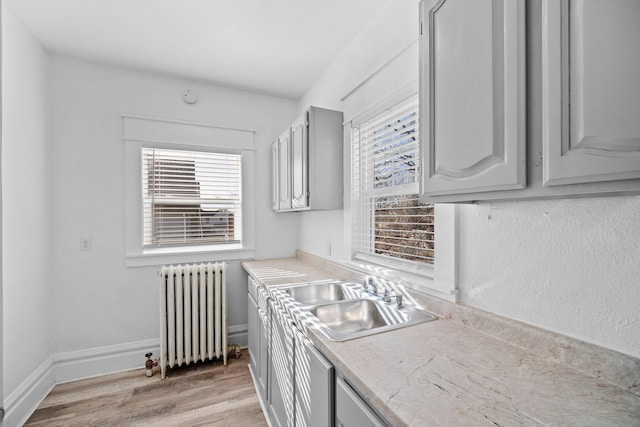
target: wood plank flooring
205 394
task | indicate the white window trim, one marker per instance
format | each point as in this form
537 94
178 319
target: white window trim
139 132
441 279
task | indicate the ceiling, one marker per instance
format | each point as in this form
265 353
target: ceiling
276 47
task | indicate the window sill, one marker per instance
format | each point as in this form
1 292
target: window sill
185 255
421 281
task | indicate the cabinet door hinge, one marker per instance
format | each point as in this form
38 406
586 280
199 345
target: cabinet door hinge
420 27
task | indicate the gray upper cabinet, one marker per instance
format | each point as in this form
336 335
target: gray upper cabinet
472 96
307 169
579 134
591 90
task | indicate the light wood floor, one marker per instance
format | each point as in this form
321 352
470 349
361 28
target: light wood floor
205 394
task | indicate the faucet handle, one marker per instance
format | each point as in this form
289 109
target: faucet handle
374 286
365 284
386 296
399 300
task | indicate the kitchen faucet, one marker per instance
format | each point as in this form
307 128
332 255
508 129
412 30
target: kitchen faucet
370 286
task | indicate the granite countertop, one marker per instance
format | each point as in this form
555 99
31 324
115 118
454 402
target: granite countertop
443 373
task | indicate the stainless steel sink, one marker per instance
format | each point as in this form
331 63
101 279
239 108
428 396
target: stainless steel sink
350 316
351 319
311 294
342 311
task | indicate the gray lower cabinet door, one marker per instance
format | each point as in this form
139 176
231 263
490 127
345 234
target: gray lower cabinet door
281 370
313 385
264 339
351 411
254 333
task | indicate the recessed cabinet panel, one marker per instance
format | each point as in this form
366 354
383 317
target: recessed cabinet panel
299 163
284 177
472 86
463 76
264 339
591 94
253 338
275 173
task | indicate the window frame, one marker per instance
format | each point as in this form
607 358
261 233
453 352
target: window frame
365 195
143 132
439 279
152 238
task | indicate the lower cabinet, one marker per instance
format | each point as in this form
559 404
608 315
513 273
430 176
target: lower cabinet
264 343
301 379
297 385
351 410
252 323
281 369
259 336
313 384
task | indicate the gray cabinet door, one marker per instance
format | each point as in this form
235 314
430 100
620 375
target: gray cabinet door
299 163
275 176
284 171
591 95
313 390
472 96
254 333
351 411
264 340
281 370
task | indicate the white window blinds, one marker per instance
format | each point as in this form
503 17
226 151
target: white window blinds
389 220
190 197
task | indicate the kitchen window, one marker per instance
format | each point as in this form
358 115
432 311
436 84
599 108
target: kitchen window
189 192
191 198
390 225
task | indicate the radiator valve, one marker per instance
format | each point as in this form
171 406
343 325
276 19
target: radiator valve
148 364
236 349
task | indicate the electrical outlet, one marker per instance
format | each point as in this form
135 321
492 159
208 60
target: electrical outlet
85 243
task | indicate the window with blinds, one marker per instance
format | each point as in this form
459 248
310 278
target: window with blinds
390 223
190 198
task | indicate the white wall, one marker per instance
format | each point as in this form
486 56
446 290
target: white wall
376 63
27 227
98 301
570 266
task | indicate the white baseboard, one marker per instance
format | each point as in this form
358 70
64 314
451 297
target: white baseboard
239 334
24 400
88 363
97 361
